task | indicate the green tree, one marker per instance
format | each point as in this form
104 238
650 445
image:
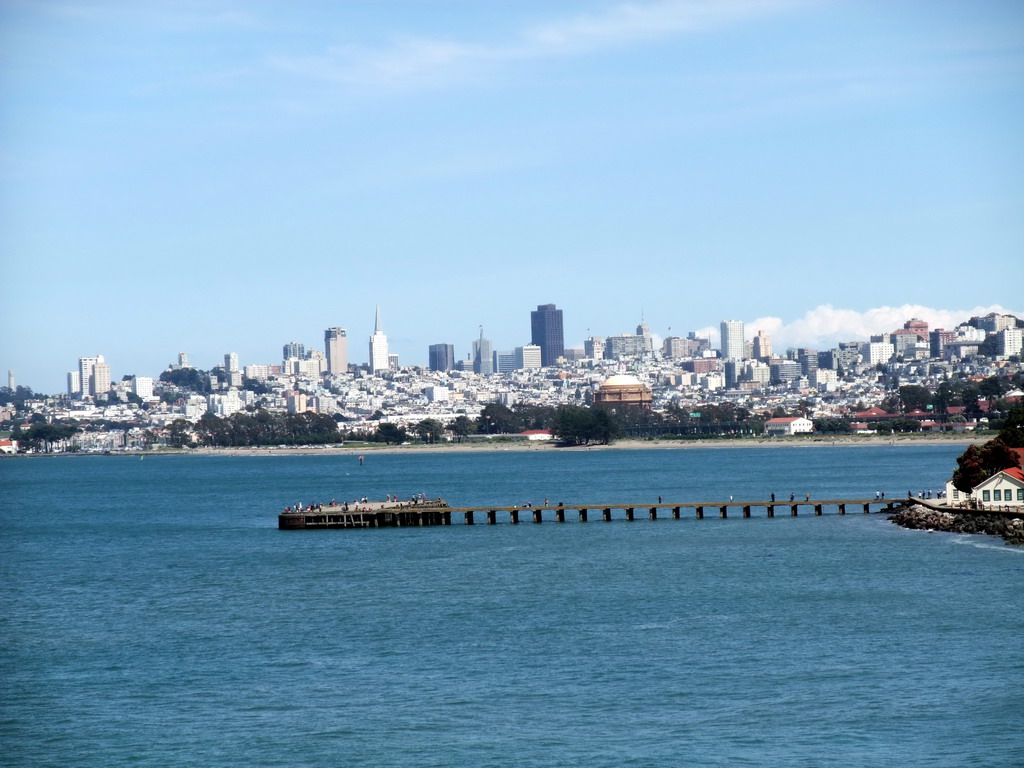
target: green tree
498 419
429 430
914 396
830 425
389 433
191 379
462 427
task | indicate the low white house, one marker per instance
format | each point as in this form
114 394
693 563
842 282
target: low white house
789 425
1004 488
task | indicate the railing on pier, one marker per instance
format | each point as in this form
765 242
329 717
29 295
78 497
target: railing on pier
676 510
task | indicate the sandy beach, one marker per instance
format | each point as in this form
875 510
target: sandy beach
512 444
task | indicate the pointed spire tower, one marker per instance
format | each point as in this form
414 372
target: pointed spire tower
378 346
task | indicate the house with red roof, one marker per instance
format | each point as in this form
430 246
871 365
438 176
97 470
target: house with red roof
1003 489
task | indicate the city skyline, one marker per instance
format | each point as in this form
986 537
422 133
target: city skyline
237 176
885 320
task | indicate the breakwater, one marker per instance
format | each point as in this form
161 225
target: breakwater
925 518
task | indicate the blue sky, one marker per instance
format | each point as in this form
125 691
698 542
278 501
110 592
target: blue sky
217 176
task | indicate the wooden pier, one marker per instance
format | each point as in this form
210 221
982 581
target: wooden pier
395 515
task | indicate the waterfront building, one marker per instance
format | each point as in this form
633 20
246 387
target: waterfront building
789 425
336 348
732 339
441 357
529 356
378 346
546 332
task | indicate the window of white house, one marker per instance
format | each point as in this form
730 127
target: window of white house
986 496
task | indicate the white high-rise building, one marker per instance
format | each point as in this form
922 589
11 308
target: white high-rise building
1010 341
85 366
74 383
732 339
378 346
142 386
528 356
336 346
231 362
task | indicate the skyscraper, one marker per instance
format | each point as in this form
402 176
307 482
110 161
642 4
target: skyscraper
732 339
293 349
483 362
378 346
762 345
231 362
546 333
336 346
85 369
100 381
442 357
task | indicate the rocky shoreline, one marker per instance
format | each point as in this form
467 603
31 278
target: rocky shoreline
920 517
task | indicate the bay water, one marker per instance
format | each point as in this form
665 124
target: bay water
152 615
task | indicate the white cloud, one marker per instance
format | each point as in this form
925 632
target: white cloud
416 61
825 326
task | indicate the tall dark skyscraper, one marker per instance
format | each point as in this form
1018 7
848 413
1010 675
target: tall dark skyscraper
546 333
442 357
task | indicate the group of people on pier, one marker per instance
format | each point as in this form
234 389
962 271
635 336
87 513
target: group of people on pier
364 504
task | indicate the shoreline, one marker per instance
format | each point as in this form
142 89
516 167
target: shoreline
506 444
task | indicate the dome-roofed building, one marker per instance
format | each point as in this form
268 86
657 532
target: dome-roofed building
624 390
